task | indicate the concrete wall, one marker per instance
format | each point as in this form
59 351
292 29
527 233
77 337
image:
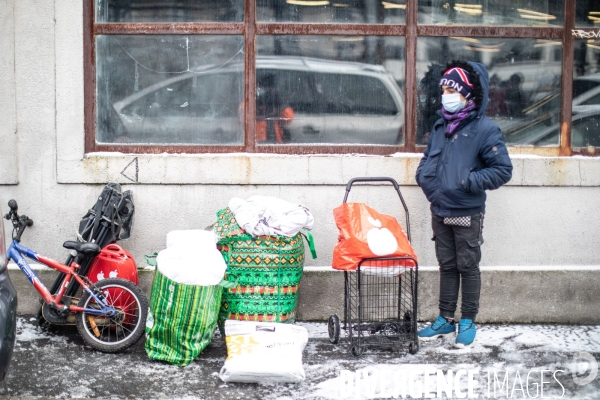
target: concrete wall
546 216
515 295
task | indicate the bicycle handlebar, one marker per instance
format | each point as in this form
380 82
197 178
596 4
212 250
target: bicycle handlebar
19 222
13 205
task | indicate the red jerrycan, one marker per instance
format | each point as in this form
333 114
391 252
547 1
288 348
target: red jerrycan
113 262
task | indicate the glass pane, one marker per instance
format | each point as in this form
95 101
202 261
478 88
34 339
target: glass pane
587 13
586 94
169 89
492 12
524 84
335 11
330 89
169 11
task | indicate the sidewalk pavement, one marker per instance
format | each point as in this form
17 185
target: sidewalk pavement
507 361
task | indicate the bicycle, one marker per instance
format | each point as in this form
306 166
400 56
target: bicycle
110 315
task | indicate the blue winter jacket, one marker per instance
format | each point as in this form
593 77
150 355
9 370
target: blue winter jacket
455 172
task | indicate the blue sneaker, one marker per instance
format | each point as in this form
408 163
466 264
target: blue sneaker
440 328
466 333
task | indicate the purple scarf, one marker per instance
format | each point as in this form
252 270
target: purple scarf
455 119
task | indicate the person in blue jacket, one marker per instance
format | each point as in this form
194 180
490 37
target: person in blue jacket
465 156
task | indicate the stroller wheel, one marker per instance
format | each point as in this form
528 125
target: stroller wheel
334 328
357 350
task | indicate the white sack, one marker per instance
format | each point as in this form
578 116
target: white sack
263 352
264 215
192 258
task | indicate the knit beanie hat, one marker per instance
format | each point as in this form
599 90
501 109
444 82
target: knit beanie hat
459 80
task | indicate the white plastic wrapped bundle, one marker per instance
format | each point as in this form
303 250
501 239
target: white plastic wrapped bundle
265 215
263 352
192 258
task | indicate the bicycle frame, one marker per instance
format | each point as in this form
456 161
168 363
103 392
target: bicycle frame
16 251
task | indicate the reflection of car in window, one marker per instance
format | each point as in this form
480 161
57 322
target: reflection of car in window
337 102
586 93
333 102
585 131
199 107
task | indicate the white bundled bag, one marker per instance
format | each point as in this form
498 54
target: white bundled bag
263 352
265 215
192 258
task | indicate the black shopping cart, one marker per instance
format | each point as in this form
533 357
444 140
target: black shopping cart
380 297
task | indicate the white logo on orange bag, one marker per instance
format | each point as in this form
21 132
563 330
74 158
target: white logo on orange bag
380 240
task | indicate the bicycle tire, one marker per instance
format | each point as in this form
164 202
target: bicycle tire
121 331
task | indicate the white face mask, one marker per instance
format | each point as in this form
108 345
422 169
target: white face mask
452 102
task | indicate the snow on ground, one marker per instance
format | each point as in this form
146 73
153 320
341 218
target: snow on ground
27 331
506 361
519 351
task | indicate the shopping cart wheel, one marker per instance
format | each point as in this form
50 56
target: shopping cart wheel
356 350
334 328
413 347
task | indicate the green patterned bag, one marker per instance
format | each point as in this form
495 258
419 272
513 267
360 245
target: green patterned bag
268 270
182 319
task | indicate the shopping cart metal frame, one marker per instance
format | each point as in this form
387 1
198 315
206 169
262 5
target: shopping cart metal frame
380 308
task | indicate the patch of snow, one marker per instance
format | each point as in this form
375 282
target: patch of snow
27 332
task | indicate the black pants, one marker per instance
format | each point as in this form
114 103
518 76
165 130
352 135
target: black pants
458 251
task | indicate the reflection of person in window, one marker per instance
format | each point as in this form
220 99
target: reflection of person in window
272 116
428 105
496 106
513 96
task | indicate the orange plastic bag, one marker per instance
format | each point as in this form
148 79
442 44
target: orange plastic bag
365 233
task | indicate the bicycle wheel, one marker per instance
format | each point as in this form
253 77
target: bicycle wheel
120 331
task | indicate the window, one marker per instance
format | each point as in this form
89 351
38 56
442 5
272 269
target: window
323 11
586 95
157 11
492 12
587 14
169 89
313 76
525 80
336 97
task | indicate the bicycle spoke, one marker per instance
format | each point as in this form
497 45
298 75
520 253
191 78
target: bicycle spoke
129 305
118 296
124 328
132 314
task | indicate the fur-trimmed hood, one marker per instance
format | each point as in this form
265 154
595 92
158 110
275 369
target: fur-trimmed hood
480 80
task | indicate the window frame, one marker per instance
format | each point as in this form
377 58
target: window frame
250 29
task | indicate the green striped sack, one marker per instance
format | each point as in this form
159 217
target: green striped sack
181 321
267 269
